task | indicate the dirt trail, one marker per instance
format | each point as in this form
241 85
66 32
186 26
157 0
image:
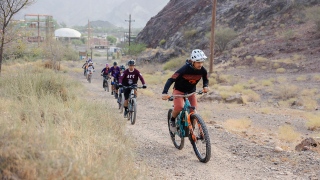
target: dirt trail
232 157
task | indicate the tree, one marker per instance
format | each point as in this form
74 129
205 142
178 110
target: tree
8 8
223 36
112 39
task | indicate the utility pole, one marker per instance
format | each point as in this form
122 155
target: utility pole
213 23
88 43
39 31
129 27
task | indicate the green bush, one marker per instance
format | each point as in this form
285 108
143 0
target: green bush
162 42
223 36
135 48
174 63
190 33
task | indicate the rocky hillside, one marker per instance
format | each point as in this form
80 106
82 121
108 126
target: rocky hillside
265 28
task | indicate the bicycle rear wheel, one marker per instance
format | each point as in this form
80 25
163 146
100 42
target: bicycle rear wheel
121 102
133 111
201 146
178 141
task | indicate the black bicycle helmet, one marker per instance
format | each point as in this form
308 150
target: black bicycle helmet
122 67
131 62
115 63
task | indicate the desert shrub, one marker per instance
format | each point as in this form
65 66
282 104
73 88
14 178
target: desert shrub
301 78
281 70
288 34
250 96
162 42
174 63
267 82
285 91
281 79
223 36
309 103
190 33
309 92
287 133
276 65
316 77
313 121
134 48
313 14
259 59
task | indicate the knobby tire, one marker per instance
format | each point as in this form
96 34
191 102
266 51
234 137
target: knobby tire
133 111
178 141
203 139
121 102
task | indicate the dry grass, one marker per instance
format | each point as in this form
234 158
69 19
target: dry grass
175 63
47 131
250 96
309 92
281 70
313 121
237 124
316 77
302 78
265 110
286 91
288 134
260 59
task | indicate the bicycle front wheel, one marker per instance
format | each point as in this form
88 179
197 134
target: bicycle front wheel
133 111
121 102
106 86
178 141
89 78
201 145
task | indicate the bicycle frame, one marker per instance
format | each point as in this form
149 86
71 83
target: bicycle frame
132 103
185 114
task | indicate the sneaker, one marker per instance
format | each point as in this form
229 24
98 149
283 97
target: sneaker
173 127
125 113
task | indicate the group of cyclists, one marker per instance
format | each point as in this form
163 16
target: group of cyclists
120 77
185 80
88 68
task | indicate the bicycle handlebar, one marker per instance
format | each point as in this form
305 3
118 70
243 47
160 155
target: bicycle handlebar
134 86
185 95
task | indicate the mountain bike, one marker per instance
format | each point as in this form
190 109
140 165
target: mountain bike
132 103
120 99
105 83
191 125
89 76
114 89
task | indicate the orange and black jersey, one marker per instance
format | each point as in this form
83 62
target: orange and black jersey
186 79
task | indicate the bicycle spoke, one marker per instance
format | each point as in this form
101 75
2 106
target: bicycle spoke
201 146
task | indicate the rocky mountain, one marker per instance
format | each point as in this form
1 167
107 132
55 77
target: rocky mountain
264 27
78 12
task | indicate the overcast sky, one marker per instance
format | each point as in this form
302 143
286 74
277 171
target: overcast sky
78 12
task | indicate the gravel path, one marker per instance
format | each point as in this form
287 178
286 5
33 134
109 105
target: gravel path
233 156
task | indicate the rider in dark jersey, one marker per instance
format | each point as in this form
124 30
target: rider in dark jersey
129 77
114 71
185 80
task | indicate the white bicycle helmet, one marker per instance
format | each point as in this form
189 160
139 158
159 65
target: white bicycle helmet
198 55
